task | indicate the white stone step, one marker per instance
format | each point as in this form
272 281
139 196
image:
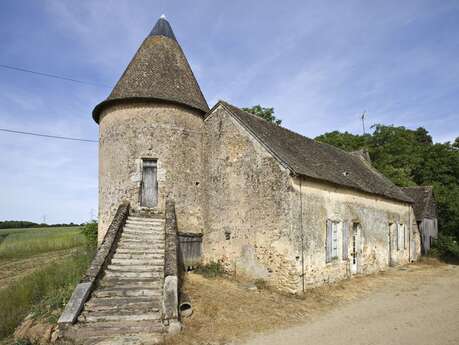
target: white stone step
143 230
119 292
148 252
155 222
138 256
130 275
141 247
140 235
137 262
134 268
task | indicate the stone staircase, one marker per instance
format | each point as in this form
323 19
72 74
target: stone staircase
127 302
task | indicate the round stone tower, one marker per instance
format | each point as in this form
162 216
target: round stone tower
151 134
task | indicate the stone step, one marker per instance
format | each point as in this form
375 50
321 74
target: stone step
147 253
148 219
149 223
140 248
140 240
85 331
130 275
120 292
139 308
139 255
153 300
131 282
109 316
141 228
137 262
142 232
148 236
136 268
128 285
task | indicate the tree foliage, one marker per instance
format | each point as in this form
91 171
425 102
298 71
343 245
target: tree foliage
409 158
264 113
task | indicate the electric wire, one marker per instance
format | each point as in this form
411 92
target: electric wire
55 76
48 136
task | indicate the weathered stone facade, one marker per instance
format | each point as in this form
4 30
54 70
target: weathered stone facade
270 203
263 222
171 134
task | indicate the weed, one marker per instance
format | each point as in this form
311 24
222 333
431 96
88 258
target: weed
211 270
261 284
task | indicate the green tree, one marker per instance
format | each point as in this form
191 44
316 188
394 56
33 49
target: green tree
264 113
409 157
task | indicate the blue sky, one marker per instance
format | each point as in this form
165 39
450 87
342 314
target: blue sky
320 64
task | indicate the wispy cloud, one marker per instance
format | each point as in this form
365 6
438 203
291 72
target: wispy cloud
320 64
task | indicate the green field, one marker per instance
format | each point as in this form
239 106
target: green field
39 267
21 243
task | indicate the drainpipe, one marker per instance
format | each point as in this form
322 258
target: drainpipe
409 234
302 236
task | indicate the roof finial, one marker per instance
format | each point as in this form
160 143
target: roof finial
163 16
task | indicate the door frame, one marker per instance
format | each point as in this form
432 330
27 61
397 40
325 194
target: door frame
356 236
153 162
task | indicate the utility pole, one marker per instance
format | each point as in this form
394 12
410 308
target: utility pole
44 219
363 120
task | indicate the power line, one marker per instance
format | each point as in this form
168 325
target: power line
55 76
48 136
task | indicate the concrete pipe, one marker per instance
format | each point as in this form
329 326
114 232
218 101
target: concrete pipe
185 307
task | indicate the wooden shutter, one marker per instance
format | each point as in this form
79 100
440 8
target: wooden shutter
397 236
405 235
345 240
328 242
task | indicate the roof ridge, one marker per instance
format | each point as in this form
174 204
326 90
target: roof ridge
291 131
314 159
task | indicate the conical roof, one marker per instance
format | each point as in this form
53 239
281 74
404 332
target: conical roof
158 71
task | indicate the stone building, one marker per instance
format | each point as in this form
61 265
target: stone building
425 210
268 202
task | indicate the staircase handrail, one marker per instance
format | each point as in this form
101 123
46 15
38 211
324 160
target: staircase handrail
102 258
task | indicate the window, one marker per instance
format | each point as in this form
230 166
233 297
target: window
331 243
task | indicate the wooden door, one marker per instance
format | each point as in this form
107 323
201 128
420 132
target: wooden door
149 184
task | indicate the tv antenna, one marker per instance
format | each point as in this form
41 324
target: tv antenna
363 120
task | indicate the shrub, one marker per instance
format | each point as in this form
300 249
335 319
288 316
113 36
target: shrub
211 270
445 247
261 284
90 232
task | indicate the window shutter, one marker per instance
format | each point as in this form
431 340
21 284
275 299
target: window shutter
345 240
328 242
405 236
397 236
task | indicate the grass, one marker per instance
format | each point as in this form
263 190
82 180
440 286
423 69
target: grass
211 270
21 243
43 291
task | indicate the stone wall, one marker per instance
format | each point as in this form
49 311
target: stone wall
248 214
172 134
257 224
373 214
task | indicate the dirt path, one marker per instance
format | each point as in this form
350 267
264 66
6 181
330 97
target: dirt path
420 309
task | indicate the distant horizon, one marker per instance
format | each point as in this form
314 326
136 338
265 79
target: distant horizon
319 65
